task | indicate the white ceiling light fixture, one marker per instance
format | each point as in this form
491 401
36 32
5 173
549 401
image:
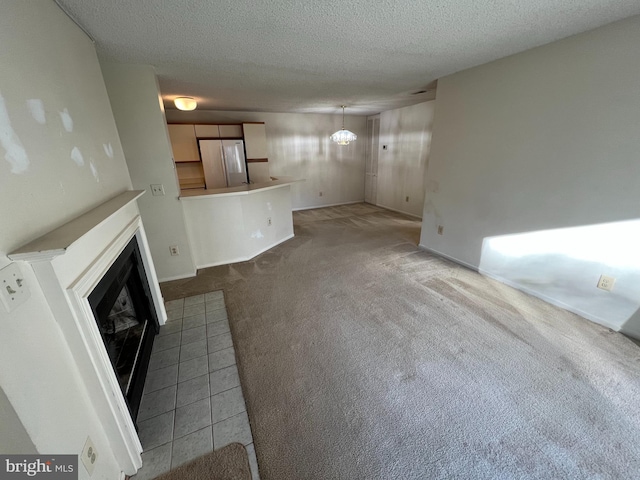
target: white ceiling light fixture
185 103
343 136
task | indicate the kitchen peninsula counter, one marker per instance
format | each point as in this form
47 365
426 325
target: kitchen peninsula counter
235 224
239 190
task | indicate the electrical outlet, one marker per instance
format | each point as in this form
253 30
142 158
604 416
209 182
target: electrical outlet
440 229
157 189
406 199
269 221
13 289
174 250
89 455
606 282
320 194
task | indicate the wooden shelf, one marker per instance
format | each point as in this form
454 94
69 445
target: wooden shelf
190 175
191 184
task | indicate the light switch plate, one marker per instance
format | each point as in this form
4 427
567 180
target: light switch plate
157 189
13 289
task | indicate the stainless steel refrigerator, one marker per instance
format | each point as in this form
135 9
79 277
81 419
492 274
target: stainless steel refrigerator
223 163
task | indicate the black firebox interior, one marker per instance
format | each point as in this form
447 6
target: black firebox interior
123 308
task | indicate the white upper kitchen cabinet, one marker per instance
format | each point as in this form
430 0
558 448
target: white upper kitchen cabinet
184 143
230 131
255 141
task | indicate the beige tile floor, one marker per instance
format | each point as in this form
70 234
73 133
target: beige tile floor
192 401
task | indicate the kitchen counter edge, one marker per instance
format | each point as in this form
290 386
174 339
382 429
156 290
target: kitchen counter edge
240 190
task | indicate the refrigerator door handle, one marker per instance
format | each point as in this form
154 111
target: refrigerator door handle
224 164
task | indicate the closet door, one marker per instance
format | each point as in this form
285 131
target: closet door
371 160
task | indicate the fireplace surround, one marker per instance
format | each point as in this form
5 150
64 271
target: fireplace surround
122 307
69 263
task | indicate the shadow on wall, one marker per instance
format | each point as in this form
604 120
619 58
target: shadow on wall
632 326
564 265
314 145
311 152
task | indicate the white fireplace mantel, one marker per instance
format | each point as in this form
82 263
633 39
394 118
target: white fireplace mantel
69 262
56 242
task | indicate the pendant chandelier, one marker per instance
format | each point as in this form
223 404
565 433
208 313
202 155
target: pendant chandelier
343 136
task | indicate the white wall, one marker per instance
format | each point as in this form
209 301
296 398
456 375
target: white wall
14 438
237 226
299 147
46 58
544 141
139 114
402 166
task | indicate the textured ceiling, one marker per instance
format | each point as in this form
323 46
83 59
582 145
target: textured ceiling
313 56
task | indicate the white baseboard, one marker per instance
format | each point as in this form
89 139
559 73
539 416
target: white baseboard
448 257
330 205
244 259
399 211
523 288
551 300
176 277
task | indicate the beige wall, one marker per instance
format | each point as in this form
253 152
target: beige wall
299 146
50 171
402 166
139 114
50 68
541 142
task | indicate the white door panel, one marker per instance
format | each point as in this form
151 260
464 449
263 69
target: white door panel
371 159
213 164
235 163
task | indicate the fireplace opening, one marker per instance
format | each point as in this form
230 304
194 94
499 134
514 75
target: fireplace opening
123 309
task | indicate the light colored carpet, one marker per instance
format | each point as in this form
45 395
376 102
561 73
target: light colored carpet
364 357
227 463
